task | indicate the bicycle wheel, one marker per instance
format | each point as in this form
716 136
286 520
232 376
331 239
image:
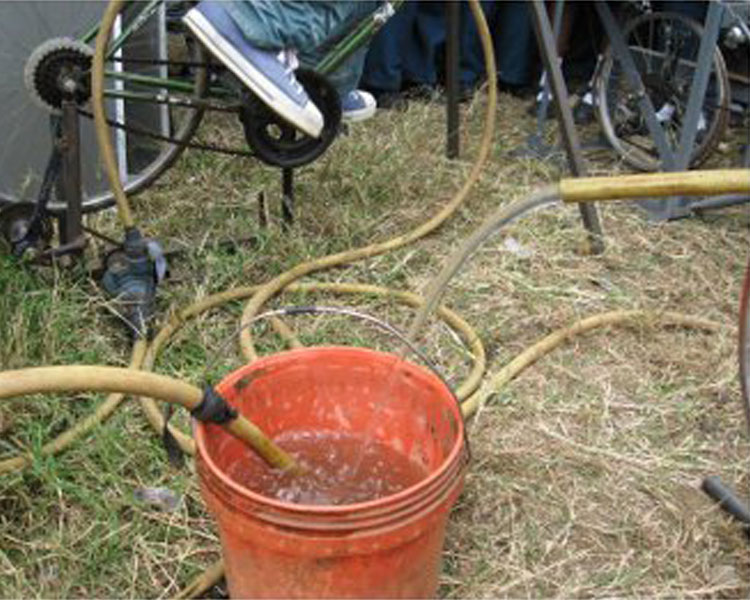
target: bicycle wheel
664 47
40 40
744 344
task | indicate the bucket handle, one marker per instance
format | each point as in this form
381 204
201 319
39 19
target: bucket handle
339 310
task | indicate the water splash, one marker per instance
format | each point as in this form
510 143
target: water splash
341 468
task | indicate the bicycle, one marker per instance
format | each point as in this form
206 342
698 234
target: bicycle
160 83
664 47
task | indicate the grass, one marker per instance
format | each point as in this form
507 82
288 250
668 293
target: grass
586 468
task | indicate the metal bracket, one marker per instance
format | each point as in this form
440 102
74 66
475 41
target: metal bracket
548 51
70 222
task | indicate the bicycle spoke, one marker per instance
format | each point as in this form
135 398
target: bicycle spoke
135 24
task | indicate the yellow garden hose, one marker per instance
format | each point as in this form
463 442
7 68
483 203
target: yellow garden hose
100 120
618 318
104 410
713 182
74 378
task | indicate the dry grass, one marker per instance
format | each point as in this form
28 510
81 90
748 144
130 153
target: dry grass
585 475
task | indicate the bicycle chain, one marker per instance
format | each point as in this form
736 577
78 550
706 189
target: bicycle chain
162 62
171 140
165 138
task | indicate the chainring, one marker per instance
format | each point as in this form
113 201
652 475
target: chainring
280 144
14 224
50 64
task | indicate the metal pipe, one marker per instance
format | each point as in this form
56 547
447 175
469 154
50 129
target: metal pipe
689 183
546 42
453 25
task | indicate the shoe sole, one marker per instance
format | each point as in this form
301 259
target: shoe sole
246 72
356 116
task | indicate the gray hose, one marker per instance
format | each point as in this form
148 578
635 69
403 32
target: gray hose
501 217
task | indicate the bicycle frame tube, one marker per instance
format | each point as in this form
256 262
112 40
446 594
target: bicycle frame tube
146 11
175 85
144 15
357 38
186 101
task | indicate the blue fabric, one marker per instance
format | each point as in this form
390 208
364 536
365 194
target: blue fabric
429 32
388 53
409 48
307 26
512 37
406 50
515 43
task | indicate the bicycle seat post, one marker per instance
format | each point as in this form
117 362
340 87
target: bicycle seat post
70 224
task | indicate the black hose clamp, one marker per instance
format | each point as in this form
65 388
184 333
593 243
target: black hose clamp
213 408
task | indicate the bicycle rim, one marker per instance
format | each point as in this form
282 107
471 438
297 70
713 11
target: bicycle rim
744 344
664 47
24 26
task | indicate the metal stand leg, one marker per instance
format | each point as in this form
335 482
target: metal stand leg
453 20
568 131
536 140
70 222
699 84
287 197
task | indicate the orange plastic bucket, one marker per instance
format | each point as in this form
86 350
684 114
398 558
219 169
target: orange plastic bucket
389 547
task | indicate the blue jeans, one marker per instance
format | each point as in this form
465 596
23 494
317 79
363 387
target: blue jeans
513 39
389 53
408 48
310 27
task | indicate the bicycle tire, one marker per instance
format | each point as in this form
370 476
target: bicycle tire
649 38
744 345
27 26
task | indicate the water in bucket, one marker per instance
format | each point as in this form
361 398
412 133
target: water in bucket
339 468
359 456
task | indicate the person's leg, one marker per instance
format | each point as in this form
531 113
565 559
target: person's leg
301 25
383 70
339 18
515 44
420 53
472 69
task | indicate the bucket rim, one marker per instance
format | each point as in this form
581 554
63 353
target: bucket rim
378 517
455 454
